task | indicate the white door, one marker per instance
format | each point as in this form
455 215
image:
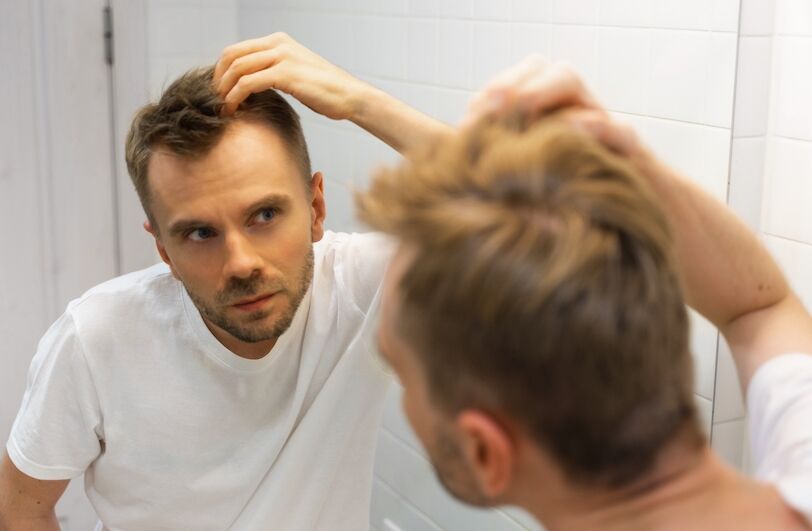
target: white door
58 223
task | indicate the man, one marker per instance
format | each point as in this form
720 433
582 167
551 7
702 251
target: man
234 386
534 314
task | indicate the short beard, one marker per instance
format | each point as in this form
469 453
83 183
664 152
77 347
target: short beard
241 288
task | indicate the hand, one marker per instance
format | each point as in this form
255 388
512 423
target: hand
536 87
279 62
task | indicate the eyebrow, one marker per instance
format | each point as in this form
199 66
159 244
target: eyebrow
274 200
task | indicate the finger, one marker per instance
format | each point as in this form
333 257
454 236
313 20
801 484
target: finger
250 84
557 88
492 96
235 51
245 65
497 91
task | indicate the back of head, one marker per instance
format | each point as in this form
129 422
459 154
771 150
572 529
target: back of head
542 285
187 121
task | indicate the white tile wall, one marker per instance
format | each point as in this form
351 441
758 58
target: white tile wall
666 66
532 10
704 339
789 178
575 11
793 84
728 403
794 17
183 34
753 86
746 185
624 56
757 17
630 13
729 441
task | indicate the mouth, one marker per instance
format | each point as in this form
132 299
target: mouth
253 303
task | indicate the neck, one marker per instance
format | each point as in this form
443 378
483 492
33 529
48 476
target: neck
681 481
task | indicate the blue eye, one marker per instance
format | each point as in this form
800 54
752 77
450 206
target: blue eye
265 215
203 233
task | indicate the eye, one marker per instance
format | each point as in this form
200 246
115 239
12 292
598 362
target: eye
200 234
265 215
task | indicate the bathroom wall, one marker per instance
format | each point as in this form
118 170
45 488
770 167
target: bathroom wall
668 67
186 33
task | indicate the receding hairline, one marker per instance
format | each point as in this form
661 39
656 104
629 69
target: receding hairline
186 121
162 149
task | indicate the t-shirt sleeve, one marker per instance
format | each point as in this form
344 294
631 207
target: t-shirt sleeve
779 401
57 432
362 260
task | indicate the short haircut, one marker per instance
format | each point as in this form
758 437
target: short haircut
543 285
187 121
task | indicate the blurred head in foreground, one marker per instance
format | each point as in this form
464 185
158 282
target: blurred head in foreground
533 314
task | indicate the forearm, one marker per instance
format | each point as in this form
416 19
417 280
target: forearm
725 271
394 122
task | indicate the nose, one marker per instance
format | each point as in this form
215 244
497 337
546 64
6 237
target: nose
242 260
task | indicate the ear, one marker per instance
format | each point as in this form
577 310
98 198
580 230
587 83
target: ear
488 449
318 208
160 247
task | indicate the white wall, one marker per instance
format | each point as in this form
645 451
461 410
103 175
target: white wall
184 34
666 66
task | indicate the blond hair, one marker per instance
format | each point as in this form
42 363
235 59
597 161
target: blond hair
542 283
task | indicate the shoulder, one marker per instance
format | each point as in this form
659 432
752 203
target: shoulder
138 284
356 262
124 301
344 245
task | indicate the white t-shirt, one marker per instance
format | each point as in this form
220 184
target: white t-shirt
174 431
779 402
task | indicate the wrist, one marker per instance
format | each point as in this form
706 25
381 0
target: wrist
363 101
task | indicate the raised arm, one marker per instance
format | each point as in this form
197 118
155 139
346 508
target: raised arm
726 273
729 276
27 504
279 62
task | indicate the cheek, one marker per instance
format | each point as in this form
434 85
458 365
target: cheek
198 275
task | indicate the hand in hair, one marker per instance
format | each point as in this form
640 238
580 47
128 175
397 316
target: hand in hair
279 62
536 87
726 273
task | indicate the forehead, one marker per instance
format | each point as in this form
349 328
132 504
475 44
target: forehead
250 160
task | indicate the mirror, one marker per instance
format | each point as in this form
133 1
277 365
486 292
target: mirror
693 77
